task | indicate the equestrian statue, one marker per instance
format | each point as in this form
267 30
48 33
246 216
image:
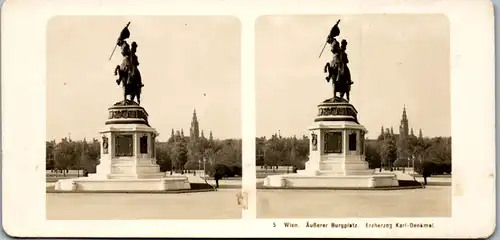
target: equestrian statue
337 69
128 72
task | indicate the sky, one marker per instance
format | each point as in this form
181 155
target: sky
186 62
396 61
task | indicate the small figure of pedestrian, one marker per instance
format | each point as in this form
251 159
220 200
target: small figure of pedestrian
217 177
425 174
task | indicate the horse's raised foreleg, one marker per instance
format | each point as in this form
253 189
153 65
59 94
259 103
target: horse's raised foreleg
117 72
329 70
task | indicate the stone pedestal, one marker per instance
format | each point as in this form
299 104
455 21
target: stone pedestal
336 153
128 156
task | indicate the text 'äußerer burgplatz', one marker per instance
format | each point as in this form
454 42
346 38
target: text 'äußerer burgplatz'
355 225
323 225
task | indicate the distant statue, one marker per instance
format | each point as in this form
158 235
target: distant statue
128 72
337 69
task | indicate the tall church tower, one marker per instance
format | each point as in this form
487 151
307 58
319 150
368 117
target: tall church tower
195 130
404 137
404 127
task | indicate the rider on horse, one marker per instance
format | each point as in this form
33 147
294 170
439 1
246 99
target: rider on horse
344 69
338 71
134 62
129 74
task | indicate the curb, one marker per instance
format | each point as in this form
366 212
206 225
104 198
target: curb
230 186
136 192
438 184
339 188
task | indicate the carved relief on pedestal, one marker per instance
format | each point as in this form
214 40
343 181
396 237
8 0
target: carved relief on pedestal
136 113
314 142
336 111
333 142
105 145
124 145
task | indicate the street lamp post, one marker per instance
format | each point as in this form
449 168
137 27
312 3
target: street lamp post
413 163
204 167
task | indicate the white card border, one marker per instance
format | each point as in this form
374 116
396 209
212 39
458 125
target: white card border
24 126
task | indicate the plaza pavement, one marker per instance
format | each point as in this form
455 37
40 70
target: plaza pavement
115 206
432 201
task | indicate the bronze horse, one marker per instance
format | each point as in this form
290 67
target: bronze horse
341 79
338 71
131 83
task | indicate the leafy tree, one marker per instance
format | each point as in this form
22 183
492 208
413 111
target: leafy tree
441 149
382 134
279 151
434 154
372 154
303 148
229 153
180 153
49 154
272 154
91 154
388 150
64 154
164 155
259 150
224 157
194 155
172 137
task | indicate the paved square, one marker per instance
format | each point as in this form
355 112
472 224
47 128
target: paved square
432 201
116 206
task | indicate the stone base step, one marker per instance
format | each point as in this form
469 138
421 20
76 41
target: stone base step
304 181
106 185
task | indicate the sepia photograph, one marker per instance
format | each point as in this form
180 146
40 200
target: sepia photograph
224 119
359 119
143 117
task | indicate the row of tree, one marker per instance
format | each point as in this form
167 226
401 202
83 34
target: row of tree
280 151
390 151
178 154
181 153
69 154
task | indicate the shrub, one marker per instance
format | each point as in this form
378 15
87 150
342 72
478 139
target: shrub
224 171
236 170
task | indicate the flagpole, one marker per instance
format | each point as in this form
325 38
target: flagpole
128 24
322 50
114 49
